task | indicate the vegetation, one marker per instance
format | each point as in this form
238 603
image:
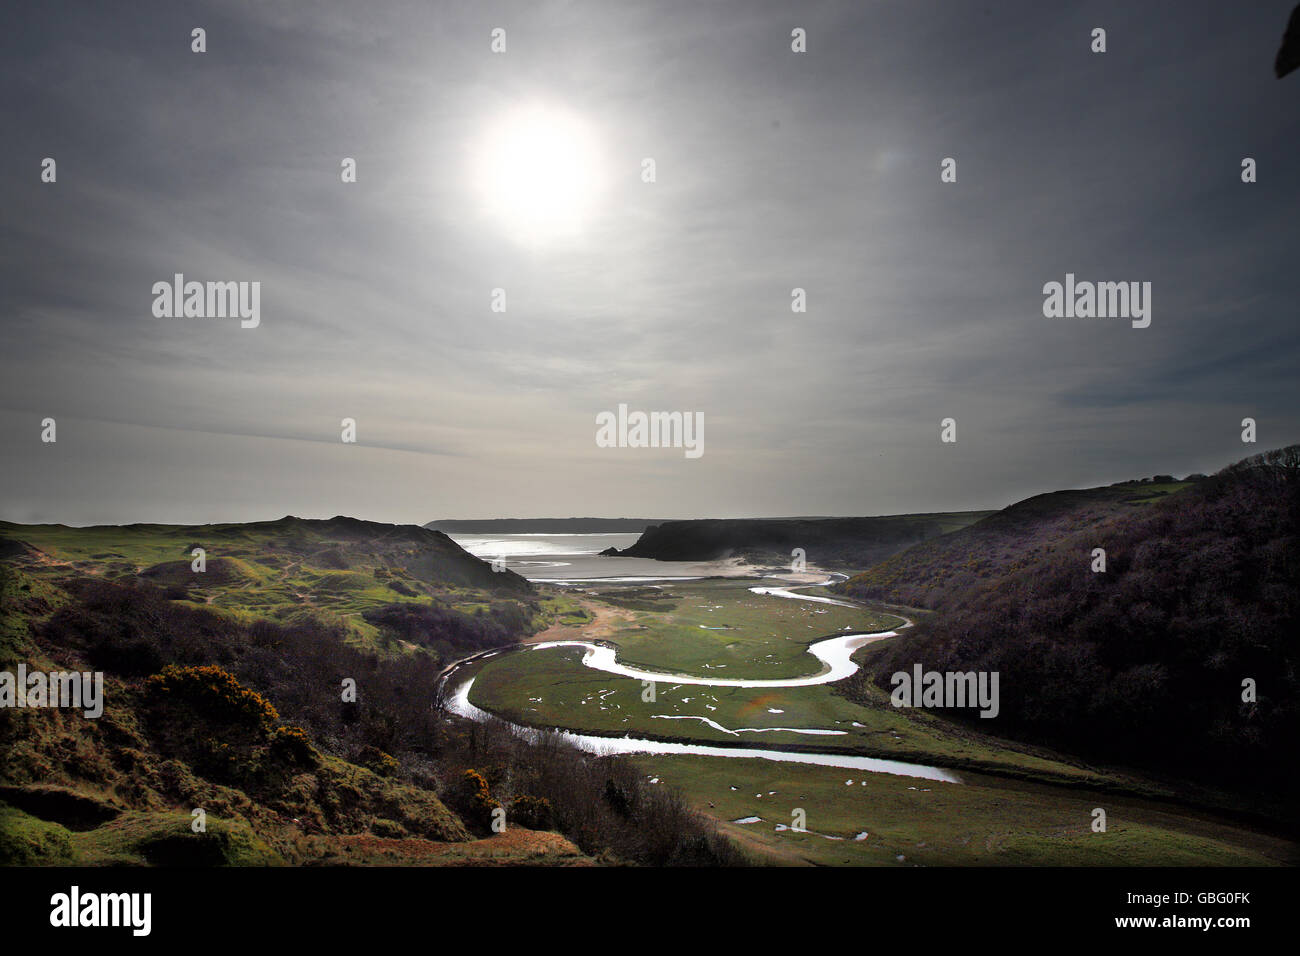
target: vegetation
1014 539
227 691
719 626
826 542
289 692
1143 663
909 821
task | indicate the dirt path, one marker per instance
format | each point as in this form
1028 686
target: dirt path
605 618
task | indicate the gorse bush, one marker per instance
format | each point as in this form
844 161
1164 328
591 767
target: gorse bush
384 764
476 798
473 783
291 745
531 812
204 713
214 694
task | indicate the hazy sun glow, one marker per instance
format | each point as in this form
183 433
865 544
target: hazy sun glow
538 171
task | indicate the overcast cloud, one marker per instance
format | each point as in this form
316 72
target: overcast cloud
775 170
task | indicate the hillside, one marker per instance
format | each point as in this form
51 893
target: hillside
1143 663
263 551
827 542
341 571
227 690
925 574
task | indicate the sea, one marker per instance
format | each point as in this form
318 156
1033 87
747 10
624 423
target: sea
575 558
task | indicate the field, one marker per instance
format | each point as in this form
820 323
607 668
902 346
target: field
552 688
718 628
1016 804
283 570
981 822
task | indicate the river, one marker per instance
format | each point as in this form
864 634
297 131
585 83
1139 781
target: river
835 654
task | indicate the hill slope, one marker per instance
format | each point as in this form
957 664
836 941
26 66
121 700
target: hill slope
1145 662
541 525
926 574
827 542
338 543
289 691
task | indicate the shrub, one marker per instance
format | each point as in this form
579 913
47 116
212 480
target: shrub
532 812
290 744
618 798
477 797
212 693
389 829
377 760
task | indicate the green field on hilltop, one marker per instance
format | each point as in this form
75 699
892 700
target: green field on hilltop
221 691
286 570
982 822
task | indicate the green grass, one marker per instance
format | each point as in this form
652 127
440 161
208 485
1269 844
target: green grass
718 628
28 841
551 688
984 822
1155 492
558 606
165 839
1023 805
280 570
1018 805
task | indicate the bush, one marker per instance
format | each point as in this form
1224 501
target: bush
213 694
618 798
290 744
477 798
377 760
389 829
531 812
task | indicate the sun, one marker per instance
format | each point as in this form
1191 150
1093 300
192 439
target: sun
539 172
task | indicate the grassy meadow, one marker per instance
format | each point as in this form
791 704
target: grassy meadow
1017 804
908 821
718 628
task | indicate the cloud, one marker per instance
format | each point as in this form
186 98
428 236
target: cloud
775 171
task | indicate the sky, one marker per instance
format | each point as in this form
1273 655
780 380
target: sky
523 170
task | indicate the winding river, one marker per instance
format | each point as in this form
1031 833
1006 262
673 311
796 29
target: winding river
835 654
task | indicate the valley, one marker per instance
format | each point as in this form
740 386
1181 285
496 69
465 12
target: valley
713 710
1001 803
